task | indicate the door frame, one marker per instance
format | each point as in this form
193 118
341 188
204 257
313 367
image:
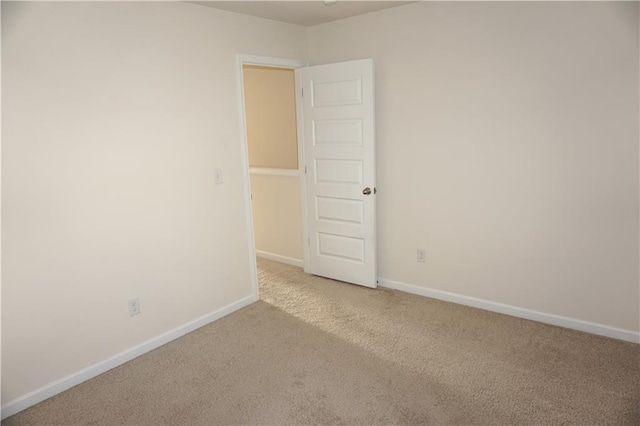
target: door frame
267 61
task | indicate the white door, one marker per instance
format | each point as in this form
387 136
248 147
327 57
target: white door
337 126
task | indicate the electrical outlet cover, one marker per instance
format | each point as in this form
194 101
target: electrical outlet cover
218 176
134 306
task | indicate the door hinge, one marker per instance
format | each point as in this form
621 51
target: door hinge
302 90
305 170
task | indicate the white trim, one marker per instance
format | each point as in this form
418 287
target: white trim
280 258
0 221
302 167
265 171
268 61
67 382
241 60
552 319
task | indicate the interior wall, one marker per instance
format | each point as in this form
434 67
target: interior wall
270 111
115 115
270 108
277 217
507 146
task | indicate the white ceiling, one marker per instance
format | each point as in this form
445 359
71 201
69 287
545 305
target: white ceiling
305 13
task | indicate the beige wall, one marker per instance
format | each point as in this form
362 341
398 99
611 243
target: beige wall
115 116
270 107
270 111
507 138
277 216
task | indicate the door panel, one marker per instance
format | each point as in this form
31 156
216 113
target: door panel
339 210
342 132
337 119
336 93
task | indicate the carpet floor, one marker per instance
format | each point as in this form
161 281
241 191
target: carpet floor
317 351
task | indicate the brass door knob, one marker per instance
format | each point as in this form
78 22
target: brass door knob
366 191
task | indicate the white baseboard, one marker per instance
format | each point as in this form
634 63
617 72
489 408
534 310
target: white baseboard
280 258
575 324
67 382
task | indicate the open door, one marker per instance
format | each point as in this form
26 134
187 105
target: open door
338 130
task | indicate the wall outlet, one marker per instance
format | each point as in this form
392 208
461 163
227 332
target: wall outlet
218 176
134 307
422 257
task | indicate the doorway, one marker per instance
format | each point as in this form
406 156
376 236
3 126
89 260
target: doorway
268 102
270 113
335 130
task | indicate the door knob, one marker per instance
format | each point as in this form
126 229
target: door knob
366 191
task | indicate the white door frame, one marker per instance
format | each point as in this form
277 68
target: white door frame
266 61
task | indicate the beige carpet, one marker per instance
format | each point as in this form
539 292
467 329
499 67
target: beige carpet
315 351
